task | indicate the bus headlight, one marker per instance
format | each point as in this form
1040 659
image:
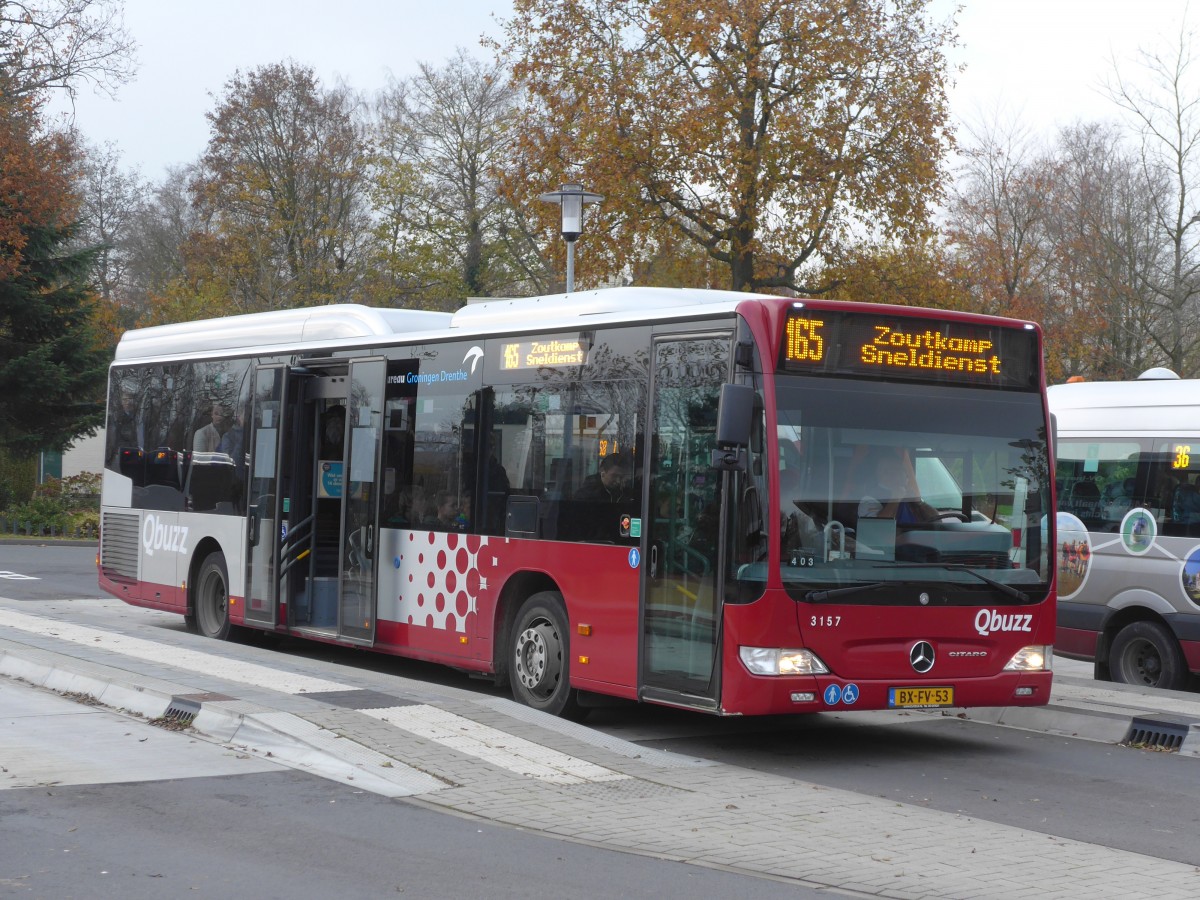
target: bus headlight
776 661
1031 659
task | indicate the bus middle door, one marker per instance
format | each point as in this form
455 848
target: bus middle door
357 588
264 529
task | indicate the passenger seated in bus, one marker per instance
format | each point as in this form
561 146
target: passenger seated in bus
397 507
610 484
410 507
450 515
893 494
208 438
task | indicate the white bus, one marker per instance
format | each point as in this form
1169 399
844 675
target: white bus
1127 467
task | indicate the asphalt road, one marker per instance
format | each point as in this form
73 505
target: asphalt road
96 805
51 571
1099 793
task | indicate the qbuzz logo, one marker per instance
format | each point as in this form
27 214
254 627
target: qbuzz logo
989 620
158 535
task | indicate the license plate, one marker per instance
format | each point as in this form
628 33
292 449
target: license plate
918 697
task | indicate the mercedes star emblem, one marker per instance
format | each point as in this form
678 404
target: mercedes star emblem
921 657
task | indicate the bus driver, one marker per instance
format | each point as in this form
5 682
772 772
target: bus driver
892 494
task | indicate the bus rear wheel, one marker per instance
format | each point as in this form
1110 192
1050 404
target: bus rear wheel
210 598
1146 654
539 659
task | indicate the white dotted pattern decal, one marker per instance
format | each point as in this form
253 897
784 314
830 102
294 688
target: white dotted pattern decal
440 578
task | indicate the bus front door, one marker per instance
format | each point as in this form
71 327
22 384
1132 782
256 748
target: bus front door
681 609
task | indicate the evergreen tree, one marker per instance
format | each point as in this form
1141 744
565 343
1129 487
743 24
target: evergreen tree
52 365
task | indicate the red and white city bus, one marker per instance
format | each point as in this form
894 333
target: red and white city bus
654 494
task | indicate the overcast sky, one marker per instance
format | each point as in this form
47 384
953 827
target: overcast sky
1041 61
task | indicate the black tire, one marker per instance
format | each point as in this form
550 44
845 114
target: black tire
539 668
1146 654
210 598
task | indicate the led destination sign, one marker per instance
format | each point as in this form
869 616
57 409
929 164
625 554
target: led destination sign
830 342
536 354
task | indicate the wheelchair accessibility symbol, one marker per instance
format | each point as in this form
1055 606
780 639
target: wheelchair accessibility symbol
835 694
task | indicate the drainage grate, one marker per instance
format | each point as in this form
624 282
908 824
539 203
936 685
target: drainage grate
1162 732
182 711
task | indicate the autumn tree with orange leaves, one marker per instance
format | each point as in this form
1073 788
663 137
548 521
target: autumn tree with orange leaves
916 273
282 190
770 135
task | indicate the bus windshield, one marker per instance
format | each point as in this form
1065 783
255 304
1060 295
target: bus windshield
884 483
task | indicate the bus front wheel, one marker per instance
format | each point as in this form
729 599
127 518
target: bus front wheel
539 660
210 598
1146 654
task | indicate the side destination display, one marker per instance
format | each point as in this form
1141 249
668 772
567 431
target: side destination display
544 352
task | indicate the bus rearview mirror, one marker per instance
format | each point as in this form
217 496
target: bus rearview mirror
735 415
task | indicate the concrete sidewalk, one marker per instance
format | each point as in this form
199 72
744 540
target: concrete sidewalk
489 757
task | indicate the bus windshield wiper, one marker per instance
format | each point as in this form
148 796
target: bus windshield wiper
822 596
1006 589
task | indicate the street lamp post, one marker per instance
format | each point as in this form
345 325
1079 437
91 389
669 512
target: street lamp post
571 198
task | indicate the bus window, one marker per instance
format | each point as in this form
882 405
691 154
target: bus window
439 494
552 441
